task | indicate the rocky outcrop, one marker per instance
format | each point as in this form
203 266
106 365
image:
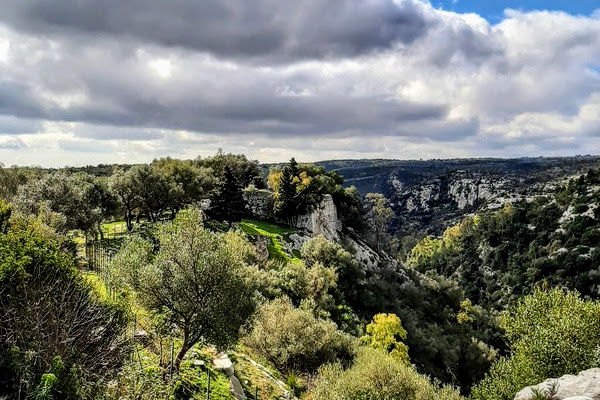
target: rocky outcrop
322 220
433 203
584 386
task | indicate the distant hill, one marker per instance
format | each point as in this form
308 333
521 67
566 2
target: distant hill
430 195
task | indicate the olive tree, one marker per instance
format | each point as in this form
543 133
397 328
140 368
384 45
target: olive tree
196 275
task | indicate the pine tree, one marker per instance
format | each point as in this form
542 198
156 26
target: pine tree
228 202
288 204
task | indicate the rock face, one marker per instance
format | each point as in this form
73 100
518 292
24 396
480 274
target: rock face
259 203
323 220
584 386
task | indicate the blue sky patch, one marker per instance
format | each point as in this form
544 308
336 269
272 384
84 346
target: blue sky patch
493 11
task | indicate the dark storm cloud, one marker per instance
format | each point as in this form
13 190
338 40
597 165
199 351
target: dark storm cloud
10 125
17 99
272 29
100 84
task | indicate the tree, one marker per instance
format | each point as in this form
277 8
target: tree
102 201
5 213
193 183
380 215
56 335
228 203
66 194
123 185
287 202
246 172
320 251
198 276
155 190
550 334
385 333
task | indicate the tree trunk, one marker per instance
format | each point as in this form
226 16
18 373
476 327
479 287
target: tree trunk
129 219
184 349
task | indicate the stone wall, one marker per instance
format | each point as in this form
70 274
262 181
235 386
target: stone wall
259 203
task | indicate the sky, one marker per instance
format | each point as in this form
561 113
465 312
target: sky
98 81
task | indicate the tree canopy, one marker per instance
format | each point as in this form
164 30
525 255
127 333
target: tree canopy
197 276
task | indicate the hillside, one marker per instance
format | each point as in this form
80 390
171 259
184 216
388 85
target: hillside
431 195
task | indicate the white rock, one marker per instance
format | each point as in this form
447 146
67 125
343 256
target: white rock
584 386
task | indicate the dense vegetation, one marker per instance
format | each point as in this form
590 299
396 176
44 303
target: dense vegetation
504 299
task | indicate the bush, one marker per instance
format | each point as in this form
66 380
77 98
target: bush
376 376
294 339
550 333
56 336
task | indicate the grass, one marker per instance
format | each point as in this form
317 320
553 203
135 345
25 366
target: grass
267 228
275 232
253 377
114 228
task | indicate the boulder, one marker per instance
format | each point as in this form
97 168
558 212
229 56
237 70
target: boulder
223 362
584 386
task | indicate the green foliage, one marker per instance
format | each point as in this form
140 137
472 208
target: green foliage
246 172
228 203
550 333
197 275
380 215
294 339
385 333
78 199
376 375
548 394
41 295
320 251
144 380
438 345
5 213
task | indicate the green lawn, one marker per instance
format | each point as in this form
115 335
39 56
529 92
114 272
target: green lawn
275 232
114 228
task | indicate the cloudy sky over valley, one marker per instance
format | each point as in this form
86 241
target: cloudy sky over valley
100 81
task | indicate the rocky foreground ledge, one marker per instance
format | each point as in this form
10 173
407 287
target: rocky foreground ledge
584 386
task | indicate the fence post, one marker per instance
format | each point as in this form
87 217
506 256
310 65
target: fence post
208 384
172 353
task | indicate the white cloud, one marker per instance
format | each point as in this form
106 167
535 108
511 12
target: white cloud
456 86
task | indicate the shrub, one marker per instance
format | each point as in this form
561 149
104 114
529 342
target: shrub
56 336
550 333
294 339
376 376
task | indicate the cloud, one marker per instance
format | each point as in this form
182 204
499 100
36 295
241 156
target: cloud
378 78
271 29
11 143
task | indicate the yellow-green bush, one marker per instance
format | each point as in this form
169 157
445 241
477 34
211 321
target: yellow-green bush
376 375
